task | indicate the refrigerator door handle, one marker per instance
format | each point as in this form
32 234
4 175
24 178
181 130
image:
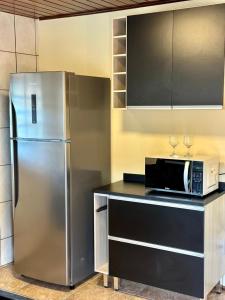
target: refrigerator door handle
14 173
12 117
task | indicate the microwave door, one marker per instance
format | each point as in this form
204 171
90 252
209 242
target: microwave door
168 175
174 175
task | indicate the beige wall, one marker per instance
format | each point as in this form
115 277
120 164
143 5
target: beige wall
18 52
83 45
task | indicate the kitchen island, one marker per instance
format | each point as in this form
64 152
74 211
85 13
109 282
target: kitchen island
173 242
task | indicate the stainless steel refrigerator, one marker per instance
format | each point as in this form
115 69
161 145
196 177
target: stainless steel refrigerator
60 143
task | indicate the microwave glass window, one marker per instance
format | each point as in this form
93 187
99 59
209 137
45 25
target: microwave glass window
165 174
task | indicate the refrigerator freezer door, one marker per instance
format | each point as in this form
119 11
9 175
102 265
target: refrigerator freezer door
41 214
40 107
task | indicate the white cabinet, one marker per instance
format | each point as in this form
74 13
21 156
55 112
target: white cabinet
210 258
214 243
101 233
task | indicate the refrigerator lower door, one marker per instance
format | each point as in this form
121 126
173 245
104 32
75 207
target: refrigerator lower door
41 213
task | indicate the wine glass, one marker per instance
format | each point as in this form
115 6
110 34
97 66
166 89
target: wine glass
173 140
188 143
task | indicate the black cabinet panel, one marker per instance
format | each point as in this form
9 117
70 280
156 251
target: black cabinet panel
171 271
198 56
167 226
149 59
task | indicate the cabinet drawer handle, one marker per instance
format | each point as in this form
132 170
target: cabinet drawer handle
101 208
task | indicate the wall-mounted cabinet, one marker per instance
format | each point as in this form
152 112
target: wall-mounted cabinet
149 60
170 59
198 56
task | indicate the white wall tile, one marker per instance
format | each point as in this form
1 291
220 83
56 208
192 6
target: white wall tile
36 35
26 63
4 146
25 43
38 69
6 251
222 178
6 227
7 66
222 167
5 183
25 35
7 37
4 109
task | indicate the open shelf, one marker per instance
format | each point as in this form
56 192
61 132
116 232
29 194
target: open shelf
119 99
119 64
120 46
119 95
119 82
120 26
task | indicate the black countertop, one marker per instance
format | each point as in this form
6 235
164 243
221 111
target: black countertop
137 190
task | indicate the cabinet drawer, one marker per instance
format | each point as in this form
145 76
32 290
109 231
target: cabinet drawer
166 270
167 226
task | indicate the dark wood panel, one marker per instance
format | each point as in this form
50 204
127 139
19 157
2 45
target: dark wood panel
17 11
149 59
161 225
29 9
12 11
50 9
167 270
198 56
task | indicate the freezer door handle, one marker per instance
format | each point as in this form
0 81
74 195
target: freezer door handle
34 108
13 121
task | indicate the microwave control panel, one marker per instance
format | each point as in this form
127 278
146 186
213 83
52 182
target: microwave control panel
197 177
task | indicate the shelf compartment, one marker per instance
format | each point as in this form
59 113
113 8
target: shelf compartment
119 99
119 26
119 64
119 46
119 82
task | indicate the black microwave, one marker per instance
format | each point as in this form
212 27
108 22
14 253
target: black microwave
197 176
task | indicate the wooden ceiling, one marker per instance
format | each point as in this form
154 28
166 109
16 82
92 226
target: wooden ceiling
50 9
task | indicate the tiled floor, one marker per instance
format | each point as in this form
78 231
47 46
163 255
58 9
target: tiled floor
90 290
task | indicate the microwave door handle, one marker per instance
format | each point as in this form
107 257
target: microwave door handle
186 179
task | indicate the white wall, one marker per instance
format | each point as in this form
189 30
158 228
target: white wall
83 45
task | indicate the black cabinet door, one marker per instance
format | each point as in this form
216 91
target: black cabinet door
166 270
161 225
149 59
198 56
